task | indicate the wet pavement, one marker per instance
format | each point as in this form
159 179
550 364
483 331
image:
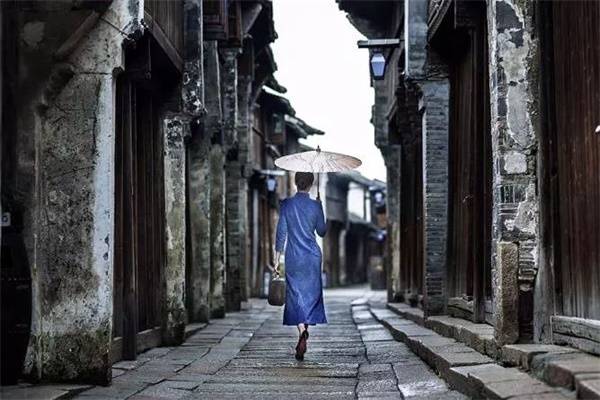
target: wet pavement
250 355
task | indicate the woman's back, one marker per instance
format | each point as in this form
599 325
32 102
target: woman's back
300 217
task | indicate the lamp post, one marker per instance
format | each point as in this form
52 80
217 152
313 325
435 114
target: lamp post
377 60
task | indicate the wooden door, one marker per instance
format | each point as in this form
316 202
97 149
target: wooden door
411 218
139 209
576 97
470 201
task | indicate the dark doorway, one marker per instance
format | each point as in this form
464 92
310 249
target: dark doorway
411 216
470 167
143 96
15 275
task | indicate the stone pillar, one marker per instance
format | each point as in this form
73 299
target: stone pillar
73 263
506 294
217 232
198 276
434 104
245 136
229 98
198 290
514 110
193 70
214 129
392 162
71 223
234 182
175 129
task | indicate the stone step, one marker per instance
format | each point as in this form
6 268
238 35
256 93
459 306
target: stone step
558 366
465 369
477 336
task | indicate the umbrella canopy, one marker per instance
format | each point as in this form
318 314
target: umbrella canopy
317 161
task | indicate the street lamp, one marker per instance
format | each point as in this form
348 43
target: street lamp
271 183
378 61
377 65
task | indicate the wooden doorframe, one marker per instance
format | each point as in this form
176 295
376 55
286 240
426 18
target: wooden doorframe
467 26
146 86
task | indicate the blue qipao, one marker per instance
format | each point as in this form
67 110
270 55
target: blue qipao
299 218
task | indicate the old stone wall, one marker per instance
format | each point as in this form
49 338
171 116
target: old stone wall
66 123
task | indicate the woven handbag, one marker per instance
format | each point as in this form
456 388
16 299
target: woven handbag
277 291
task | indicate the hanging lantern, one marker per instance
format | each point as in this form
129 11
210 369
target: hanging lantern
378 66
271 183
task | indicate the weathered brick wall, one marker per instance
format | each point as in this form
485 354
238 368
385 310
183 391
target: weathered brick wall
435 100
234 181
427 76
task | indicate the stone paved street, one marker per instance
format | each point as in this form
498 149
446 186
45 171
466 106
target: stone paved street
251 354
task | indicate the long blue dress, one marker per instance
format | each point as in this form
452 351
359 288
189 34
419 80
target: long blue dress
299 218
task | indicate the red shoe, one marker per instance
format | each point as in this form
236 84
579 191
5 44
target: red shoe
301 346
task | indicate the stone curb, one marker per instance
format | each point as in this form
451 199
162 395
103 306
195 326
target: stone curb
560 366
465 369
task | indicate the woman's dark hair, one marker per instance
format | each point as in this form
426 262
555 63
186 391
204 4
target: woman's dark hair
304 180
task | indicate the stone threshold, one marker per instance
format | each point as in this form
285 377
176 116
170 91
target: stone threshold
559 366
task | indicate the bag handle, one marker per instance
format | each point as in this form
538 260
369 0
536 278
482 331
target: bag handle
275 272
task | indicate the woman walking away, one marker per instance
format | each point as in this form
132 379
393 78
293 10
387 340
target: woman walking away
299 218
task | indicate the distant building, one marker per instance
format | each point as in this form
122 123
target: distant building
353 247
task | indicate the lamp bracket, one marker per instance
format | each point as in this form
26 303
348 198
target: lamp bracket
379 43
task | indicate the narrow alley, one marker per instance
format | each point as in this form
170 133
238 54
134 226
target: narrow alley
412 185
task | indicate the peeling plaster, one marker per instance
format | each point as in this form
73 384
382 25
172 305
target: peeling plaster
527 212
514 62
515 163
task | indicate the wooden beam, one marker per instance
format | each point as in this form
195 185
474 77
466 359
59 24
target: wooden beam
163 41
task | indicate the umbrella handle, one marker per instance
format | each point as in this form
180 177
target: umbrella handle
318 187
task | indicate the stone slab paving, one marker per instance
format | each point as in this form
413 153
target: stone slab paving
40 392
250 355
391 370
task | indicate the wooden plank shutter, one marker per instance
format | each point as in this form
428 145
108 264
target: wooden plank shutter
576 84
